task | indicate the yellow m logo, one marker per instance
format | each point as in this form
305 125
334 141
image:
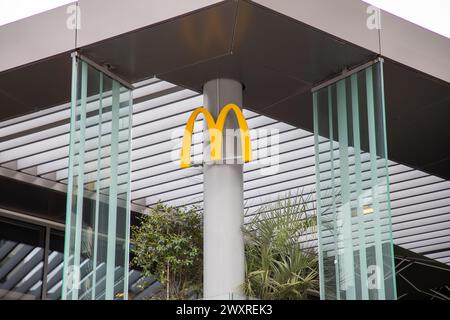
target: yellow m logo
215 134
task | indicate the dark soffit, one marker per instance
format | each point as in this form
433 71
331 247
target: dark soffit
35 86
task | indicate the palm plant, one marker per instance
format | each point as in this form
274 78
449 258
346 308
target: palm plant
279 262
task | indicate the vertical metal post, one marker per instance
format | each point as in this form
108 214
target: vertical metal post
224 261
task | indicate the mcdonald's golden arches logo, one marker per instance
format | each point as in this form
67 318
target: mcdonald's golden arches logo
215 129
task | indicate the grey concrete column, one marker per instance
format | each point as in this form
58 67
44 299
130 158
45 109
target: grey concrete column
223 244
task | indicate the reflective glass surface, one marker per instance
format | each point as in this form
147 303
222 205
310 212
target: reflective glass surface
353 204
21 260
98 204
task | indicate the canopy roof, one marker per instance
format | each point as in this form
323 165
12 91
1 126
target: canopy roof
278 51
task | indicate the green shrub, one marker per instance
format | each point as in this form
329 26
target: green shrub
168 244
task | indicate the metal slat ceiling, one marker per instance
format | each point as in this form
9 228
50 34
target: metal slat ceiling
37 145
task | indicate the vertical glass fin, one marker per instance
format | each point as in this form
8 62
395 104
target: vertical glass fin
352 183
98 194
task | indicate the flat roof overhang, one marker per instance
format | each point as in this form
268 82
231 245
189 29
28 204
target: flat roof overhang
278 59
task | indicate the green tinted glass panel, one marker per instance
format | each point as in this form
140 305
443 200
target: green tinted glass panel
98 197
353 205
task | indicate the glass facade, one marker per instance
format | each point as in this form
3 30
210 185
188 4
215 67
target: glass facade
98 204
22 253
31 261
353 202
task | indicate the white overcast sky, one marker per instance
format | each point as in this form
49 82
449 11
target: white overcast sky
430 14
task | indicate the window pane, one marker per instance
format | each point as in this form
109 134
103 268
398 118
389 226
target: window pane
21 260
55 265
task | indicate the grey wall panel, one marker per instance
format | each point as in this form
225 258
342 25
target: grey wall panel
329 16
102 19
35 38
415 46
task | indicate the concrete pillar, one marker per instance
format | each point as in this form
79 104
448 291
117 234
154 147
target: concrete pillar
223 244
